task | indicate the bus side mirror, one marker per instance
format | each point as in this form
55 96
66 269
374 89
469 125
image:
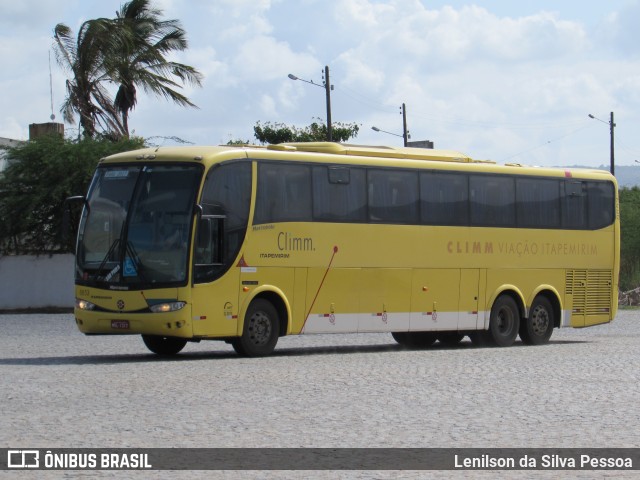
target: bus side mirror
66 213
209 248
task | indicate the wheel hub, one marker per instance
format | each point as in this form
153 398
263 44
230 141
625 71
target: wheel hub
539 320
260 328
505 321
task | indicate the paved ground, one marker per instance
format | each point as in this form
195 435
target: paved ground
62 389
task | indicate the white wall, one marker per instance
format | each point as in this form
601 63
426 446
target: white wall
36 282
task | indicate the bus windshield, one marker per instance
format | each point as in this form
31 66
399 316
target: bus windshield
135 228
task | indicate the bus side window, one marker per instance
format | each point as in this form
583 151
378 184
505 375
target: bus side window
574 208
209 241
492 200
538 202
226 199
601 204
339 194
444 198
284 193
393 196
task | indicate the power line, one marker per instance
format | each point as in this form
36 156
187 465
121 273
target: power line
454 120
588 125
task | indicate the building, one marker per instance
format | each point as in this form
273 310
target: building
35 130
4 144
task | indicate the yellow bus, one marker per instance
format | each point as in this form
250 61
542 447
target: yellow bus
248 244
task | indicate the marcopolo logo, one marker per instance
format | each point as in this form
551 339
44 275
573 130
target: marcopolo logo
23 459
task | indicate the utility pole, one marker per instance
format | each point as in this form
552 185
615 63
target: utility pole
405 134
327 87
612 126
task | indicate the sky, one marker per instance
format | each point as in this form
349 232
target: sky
510 81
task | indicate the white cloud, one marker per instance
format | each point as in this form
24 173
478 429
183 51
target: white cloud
27 13
363 13
11 127
263 58
360 73
288 96
207 62
620 30
492 81
268 106
411 33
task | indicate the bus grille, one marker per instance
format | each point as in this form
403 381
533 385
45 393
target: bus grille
591 290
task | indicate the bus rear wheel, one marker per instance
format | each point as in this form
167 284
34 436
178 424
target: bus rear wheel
537 329
164 345
414 339
504 323
260 332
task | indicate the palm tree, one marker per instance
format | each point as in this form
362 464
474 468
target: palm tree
140 59
83 57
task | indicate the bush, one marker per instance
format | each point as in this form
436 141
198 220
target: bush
40 175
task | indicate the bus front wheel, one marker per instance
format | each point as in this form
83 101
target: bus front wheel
164 345
260 332
537 329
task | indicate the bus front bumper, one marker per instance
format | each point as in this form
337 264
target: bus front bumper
170 324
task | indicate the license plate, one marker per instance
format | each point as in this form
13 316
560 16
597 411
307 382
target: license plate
120 324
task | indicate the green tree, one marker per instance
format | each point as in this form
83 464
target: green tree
316 132
40 175
630 238
237 142
83 58
139 59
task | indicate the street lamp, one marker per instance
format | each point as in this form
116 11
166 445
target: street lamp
405 133
327 87
376 129
611 127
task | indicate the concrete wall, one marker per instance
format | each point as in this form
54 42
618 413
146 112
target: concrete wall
36 282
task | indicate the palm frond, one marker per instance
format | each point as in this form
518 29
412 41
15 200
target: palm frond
129 51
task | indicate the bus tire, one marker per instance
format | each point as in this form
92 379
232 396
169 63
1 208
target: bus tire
164 345
260 332
537 329
414 339
504 322
450 339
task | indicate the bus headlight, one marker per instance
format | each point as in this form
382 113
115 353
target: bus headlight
84 304
167 307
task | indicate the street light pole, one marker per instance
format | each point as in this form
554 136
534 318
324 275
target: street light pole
405 132
327 88
612 125
404 125
376 129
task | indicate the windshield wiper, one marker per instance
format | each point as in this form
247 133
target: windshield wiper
103 264
135 258
114 245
